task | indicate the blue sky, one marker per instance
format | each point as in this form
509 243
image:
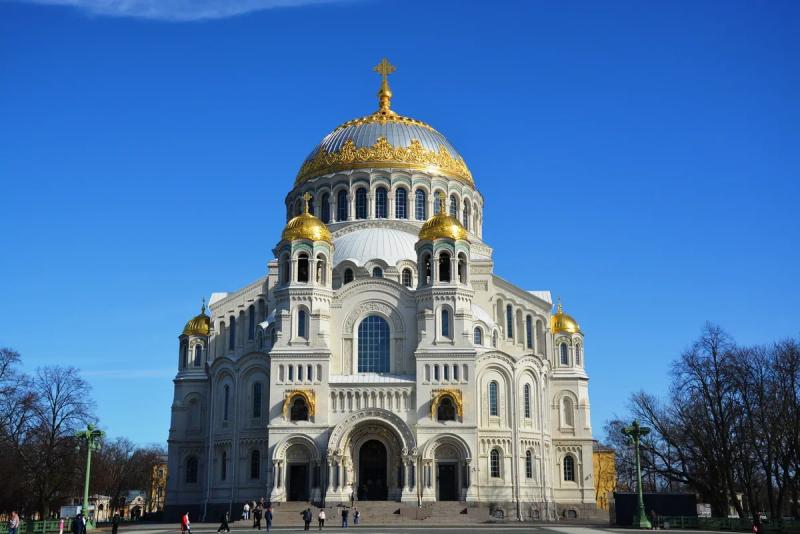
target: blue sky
640 159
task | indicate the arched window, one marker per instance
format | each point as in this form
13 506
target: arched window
302 324
381 203
326 208
446 411
438 200
226 401
407 278
232 333
577 354
569 468
361 203
184 353
477 336
526 400
257 399
377 272
251 322
569 415
420 205
454 206
223 466
445 323
528 464
493 399
285 269
322 268
494 463
191 470
401 203
348 276
509 322
373 345
494 339
291 373
302 268
255 465
444 267
564 354
529 332
426 268
467 215
341 205
462 269
198 354
298 410
436 373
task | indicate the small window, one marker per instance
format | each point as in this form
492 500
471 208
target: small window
298 410
184 354
223 466
326 208
255 465
232 334
509 322
377 272
446 371
198 354
444 267
494 463
420 205
453 206
341 205
526 400
528 464
493 399
257 399
291 373
529 332
225 401
477 336
494 339
569 468
578 354
407 278
361 204
446 411
348 276
436 373
400 204
381 203
564 354
191 470
569 415
445 323
302 324
302 268
455 372
251 322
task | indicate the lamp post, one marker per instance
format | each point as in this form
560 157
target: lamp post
91 438
636 433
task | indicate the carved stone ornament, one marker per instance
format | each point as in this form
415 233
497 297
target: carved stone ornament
454 394
308 396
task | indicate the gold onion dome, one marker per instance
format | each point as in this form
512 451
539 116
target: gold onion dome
200 325
385 140
561 322
306 226
442 225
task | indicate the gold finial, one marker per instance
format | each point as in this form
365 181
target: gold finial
560 307
203 307
384 68
306 198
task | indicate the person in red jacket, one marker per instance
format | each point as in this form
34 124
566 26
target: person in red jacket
186 526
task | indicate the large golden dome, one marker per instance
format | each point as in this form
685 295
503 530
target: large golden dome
306 226
442 225
385 140
199 325
561 322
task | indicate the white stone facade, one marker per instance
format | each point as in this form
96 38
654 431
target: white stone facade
274 404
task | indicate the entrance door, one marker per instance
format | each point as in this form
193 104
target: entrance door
447 482
372 484
298 482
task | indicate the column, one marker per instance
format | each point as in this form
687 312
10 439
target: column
390 207
370 205
330 475
351 214
339 474
331 208
275 474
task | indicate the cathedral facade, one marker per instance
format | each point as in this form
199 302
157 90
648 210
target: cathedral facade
379 357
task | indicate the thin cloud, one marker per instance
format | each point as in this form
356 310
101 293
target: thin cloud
177 10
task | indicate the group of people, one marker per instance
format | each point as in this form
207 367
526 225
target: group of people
259 511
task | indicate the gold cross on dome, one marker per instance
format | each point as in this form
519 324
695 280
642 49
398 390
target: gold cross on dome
384 68
306 197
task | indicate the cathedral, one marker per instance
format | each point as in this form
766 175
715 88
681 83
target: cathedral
379 357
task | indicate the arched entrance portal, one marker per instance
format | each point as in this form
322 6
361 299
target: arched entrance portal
372 471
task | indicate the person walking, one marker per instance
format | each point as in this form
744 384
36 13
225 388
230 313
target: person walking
257 517
246 511
13 523
356 516
78 526
186 526
307 519
321 518
223 523
114 523
345 514
268 517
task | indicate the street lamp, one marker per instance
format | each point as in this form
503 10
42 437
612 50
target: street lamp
91 438
636 433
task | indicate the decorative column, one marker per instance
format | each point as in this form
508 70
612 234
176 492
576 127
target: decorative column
351 213
339 475
330 475
370 205
390 200
331 208
91 439
408 494
635 433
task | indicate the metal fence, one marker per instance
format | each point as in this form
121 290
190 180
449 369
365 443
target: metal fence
726 523
39 527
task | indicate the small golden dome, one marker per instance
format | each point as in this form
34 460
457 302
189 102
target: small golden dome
200 325
442 225
563 323
306 226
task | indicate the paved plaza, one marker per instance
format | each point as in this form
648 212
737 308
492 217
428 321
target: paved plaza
416 529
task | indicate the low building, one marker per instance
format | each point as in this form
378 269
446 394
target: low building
158 486
605 474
